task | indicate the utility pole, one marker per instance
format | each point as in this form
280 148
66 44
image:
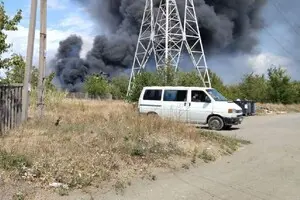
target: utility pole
42 57
29 55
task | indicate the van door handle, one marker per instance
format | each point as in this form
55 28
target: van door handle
190 104
184 104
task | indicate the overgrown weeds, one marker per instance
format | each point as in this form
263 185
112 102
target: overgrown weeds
268 108
18 196
100 141
206 156
11 161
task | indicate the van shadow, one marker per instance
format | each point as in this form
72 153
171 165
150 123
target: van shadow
206 128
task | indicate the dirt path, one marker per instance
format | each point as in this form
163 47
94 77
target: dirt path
265 170
268 169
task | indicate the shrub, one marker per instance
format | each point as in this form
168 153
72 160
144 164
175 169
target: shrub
96 86
118 87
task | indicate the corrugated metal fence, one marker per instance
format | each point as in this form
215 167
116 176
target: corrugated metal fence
10 107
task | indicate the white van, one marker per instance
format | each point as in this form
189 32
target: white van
196 105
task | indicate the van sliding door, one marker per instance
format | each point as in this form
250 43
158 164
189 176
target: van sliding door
174 104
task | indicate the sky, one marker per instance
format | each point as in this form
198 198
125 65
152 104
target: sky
63 19
278 40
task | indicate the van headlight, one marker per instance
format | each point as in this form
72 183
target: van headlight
232 110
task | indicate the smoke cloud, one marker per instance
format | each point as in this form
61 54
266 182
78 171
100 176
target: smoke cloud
225 26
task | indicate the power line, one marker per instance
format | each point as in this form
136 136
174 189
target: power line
285 18
279 43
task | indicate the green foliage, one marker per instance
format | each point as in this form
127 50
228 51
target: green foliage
119 86
96 86
9 161
216 82
279 86
296 91
16 70
7 24
233 92
254 86
16 67
166 76
189 79
48 82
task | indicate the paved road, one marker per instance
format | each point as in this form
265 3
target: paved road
265 170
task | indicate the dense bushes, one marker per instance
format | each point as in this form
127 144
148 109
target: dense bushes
274 87
96 86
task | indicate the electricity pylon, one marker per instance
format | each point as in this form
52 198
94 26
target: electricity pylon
164 36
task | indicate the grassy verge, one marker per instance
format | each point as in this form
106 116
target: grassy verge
83 143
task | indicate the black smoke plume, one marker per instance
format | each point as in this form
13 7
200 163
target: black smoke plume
225 26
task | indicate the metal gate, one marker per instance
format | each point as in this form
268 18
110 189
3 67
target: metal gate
10 107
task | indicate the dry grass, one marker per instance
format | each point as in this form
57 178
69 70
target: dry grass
82 143
267 108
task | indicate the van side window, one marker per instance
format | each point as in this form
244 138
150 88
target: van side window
198 96
175 95
154 95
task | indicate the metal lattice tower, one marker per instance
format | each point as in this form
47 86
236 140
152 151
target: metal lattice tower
144 44
164 36
194 43
168 35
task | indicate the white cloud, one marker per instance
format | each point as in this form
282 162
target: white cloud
54 36
57 4
261 62
231 67
77 23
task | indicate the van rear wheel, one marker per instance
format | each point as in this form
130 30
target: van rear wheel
215 123
152 114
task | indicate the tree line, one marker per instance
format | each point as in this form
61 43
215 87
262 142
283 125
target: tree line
274 87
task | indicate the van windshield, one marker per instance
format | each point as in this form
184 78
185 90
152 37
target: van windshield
217 96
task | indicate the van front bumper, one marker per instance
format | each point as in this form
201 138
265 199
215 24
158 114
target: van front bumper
233 120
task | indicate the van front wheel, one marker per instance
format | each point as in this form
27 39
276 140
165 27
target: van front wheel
215 123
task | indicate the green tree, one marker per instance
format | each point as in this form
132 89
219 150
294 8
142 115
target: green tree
192 79
166 76
254 87
119 86
16 70
48 82
96 86
189 79
7 24
296 91
216 82
279 86
232 92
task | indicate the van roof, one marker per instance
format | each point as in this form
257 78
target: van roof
174 87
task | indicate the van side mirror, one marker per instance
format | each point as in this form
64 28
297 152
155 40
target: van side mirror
207 99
